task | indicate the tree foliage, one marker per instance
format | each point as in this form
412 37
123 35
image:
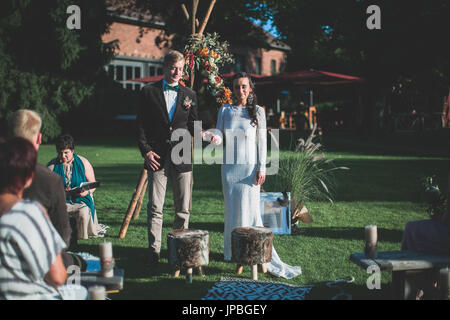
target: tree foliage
46 66
411 45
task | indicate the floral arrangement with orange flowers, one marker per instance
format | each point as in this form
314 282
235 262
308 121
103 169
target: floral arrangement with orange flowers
206 54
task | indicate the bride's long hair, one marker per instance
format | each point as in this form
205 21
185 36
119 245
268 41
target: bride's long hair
251 100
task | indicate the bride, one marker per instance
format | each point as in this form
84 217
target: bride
243 126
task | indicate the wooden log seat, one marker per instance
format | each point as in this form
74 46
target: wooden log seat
251 246
188 249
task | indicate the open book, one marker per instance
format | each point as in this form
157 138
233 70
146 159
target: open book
83 187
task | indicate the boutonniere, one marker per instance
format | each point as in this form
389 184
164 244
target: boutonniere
188 103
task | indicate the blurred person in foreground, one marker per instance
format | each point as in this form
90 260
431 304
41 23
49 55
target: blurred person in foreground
46 187
31 265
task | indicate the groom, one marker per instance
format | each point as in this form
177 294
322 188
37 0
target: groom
164 107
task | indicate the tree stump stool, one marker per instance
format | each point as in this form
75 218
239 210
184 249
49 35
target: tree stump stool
188 249
251 246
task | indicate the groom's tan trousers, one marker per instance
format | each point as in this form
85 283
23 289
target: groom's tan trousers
157 184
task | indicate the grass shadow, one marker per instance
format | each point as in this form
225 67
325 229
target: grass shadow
208 226
122 174
349 233
424 144
395 180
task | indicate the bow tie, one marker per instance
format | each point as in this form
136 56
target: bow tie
174 88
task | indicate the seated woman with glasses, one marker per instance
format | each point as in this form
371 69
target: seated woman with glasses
74 170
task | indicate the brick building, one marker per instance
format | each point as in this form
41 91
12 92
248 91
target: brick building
142 43
260 61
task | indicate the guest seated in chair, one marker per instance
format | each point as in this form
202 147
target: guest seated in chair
75 169
31 265
430 236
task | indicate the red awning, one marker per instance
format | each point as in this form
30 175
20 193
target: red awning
229 76
304 77
308 77
147 79
226 76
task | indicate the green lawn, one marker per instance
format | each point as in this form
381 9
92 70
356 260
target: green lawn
382 187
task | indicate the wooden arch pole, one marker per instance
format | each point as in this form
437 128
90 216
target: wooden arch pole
139 193
137 198
205 20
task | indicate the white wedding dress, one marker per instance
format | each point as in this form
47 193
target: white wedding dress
244 154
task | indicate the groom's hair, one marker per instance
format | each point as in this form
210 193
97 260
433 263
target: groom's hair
25 123
173 56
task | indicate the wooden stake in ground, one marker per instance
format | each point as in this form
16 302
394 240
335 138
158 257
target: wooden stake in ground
137 195
137 211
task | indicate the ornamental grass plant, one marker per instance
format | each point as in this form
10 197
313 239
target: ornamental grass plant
307 173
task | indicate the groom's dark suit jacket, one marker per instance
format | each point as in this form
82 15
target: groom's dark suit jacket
154 126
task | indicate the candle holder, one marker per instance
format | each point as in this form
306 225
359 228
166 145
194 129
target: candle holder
370 250
107 262
371 235
107 267
97 293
